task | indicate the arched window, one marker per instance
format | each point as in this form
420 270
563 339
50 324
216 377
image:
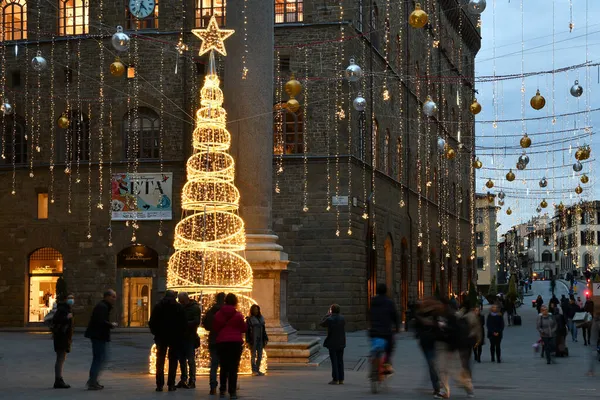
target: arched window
388 248
73 17
207 8
432 269
14 19
404 266
373 26
74 142
588 261
15 144
387 164
546 256
150 22
287 11
288 131
145 124
420 274
398 159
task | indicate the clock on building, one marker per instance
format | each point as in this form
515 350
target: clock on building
141 8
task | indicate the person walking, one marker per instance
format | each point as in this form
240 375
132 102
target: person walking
571 311
230 326
479 346
538 303
593 354
495 329
587 326
546 326
469 322
428 332
561 333
190 342
564 304
383 317
98 331
62 336
335 342
579 302
207 323
509 307
167 324
256 338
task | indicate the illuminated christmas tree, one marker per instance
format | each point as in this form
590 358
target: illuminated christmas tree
211 235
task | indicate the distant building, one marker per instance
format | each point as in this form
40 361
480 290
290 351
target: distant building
486 237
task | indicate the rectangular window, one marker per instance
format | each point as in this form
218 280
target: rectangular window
289 11
206 9
42 205
584 239
73 17
284 63
480 264
546 240
479 238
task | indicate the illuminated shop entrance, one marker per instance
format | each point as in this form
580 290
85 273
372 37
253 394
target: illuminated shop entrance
45 267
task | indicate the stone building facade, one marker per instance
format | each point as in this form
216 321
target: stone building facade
379 159
486 239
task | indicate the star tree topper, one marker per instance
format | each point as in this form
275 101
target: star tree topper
212 37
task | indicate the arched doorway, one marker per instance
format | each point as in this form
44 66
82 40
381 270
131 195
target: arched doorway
137 267
371 266
388 248
420 274
404 276
432 271
45 267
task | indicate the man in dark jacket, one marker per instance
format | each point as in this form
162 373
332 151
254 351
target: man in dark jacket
167 324
428 332
571 311
495 328
382 316
62 335
564 304
207 322
190 340
335 342
98 331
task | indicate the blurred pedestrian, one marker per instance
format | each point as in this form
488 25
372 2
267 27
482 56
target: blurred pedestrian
230 326
256 338
207 323
587 326
478 348
579 302
571 311
538 303
495 329
383 322
98 331
62 336
191 341
428 331
168 324
560 346
335 342
594 354
564 304
546 326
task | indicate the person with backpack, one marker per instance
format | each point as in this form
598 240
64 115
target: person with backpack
335 342
191 341
229 325
256 338
495 329
62 336
207 323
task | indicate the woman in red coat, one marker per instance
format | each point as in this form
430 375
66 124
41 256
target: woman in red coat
230 327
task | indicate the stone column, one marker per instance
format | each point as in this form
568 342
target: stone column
249 103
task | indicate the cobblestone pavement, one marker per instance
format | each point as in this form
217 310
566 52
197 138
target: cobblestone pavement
27 359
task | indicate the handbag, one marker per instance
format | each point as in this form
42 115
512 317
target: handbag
579 316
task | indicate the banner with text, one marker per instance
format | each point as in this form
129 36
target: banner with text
143 196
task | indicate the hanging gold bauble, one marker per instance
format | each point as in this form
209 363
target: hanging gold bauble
508 211
584 178
450 153
490 197
510 176
579 154
489 184
477 163
293 87
585 152
538 101
475 107
117 68
525 141
578 189
63 122
544 203
560 207
292 105
418 18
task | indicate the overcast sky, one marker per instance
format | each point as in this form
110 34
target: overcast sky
498 148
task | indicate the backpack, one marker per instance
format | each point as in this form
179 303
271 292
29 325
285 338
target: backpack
207 321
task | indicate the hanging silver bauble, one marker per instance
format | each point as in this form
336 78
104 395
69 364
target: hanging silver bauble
353 71
576 89
6 108
476 6
524 159
359 103
429 107
543 182
521 166
38 62
538 209
501 195
120 40
441 144
577 166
